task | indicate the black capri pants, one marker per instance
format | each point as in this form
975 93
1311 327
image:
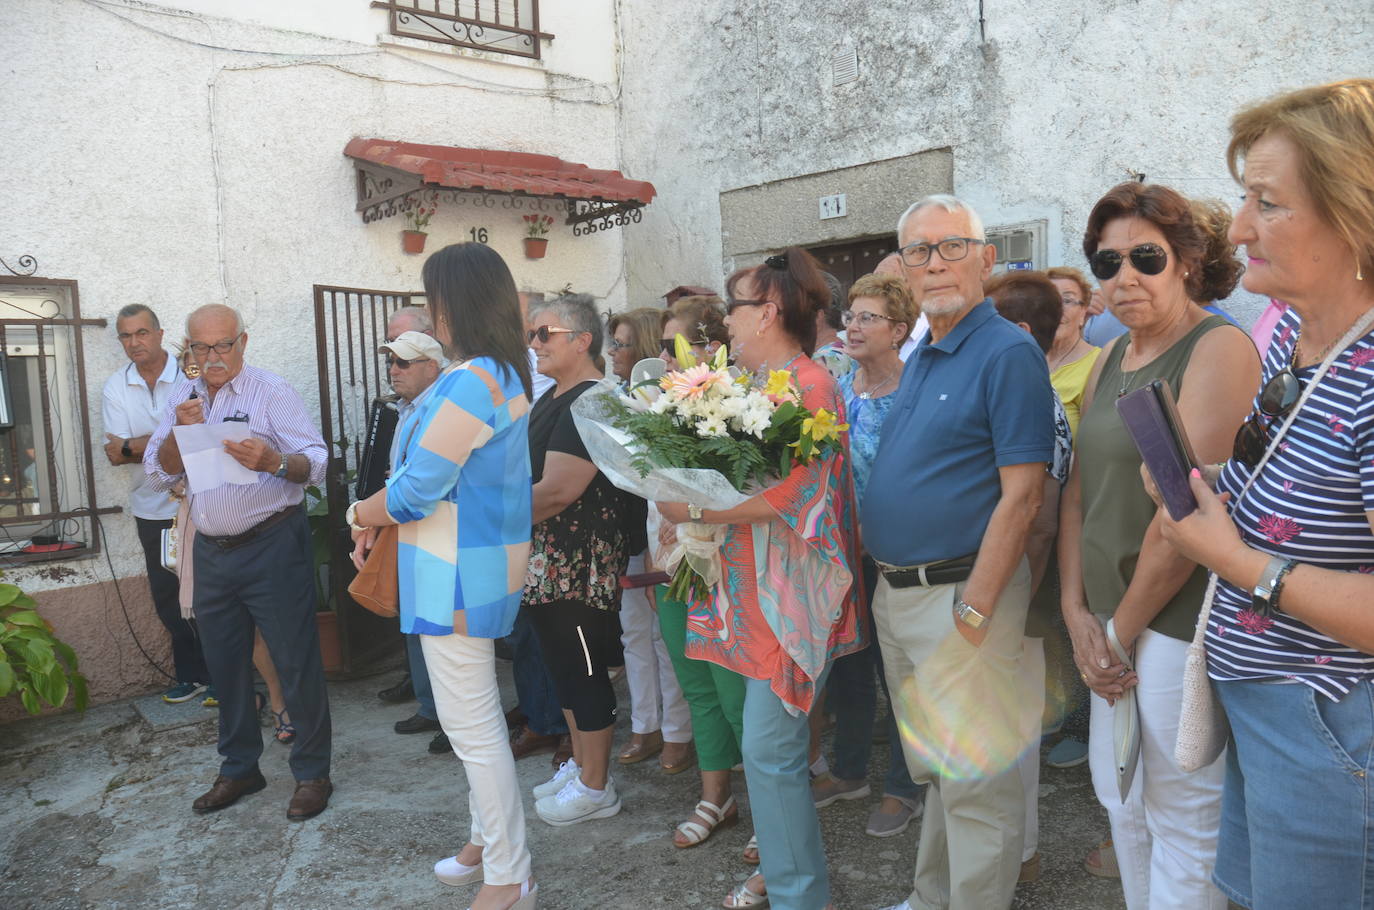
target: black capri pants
578 642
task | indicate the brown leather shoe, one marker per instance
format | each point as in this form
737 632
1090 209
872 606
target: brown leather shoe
527 742
515 719
310 799
226 791
563 752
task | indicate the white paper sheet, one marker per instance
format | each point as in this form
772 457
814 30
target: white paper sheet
202 452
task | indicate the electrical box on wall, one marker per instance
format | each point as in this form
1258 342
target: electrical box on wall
1019 246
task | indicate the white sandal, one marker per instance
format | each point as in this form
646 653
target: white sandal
716 817
753 846
741 896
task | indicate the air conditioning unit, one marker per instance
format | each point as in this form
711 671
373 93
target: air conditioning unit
1019 246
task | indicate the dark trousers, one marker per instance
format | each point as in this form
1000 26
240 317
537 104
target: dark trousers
533 684
266 583
187 659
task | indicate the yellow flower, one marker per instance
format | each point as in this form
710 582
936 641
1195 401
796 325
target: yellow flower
722 359
779 384
821 426
682 351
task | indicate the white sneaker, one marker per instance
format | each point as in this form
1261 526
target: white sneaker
575 803
566 772
451 872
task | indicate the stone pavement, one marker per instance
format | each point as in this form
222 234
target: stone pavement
95 812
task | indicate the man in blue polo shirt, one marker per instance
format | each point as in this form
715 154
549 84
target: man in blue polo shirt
955 485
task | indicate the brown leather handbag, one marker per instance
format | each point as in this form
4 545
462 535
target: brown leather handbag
377 587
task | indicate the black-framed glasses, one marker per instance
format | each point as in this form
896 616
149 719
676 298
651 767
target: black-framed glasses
200 349
1146 258
546 332
951 249
734 303
399 363
864 319
1276 399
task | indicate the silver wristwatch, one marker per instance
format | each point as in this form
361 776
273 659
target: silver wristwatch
281 469
969 616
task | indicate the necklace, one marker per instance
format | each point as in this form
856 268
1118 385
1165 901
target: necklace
1293 362
867 393
1064 358
1126 378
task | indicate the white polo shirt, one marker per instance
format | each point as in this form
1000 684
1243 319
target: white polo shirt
129 409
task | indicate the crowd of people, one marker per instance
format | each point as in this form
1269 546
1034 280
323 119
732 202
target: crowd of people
983 557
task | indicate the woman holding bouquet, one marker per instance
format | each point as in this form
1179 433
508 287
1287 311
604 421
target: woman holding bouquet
787 603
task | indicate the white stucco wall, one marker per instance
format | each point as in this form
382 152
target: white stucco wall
153 168
1055 106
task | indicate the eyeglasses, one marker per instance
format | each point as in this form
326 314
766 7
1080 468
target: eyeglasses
545 332
951 249
735 303
223 347
1147 259
617 346
1276 399
393 361
669 345
864 319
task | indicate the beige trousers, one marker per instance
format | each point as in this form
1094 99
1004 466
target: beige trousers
960 712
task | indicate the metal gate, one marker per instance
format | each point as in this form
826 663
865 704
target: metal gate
349 324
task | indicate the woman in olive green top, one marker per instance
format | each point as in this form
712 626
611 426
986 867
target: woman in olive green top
1145 248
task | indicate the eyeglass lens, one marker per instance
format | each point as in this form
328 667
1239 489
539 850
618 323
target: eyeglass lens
951 249
394 361
1147 259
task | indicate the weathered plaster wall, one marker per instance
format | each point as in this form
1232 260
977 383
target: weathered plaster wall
1055 105
175 159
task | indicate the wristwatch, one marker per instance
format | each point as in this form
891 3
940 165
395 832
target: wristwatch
694 512
281 469
969 616
125 450
1265 595
351 516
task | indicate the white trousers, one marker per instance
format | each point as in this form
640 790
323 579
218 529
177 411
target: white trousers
1165 834
656 701
1033 706
466 698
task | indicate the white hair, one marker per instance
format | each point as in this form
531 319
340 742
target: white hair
952 204
215 309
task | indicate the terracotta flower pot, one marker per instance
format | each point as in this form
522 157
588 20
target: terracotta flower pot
536 247
413 241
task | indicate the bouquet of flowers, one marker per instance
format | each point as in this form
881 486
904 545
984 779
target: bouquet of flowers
708 437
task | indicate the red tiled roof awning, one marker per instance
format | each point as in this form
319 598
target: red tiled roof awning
492 171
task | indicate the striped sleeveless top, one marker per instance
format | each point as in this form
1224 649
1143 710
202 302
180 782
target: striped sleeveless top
1309 504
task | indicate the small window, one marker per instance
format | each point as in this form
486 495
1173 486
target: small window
499 26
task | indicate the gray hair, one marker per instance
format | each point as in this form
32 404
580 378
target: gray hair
214 309
134 309
576 312
419 316
952 204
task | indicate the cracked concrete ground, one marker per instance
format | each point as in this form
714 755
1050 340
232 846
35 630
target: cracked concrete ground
96 813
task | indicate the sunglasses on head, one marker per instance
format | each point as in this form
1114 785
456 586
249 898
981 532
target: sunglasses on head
545 332
1276 399
1147 259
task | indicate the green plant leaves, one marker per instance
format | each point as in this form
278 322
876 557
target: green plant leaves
33 661
7 678
8 594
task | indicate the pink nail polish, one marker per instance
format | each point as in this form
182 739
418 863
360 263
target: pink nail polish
1195 473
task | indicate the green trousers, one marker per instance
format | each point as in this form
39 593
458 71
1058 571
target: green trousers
715 695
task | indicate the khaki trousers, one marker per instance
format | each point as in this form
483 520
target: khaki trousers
960 713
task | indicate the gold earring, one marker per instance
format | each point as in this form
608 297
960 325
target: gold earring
1359 272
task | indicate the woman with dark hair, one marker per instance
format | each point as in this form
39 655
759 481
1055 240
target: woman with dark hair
787 604
581 546
1221 268
464 462
700 320
1115 568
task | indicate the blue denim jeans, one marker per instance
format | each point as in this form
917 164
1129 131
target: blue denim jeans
852 696
1297 824
533 685
419 678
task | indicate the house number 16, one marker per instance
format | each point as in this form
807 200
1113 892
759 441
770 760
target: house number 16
479 235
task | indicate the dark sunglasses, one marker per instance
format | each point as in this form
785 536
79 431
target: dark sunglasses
1147 259
669 345
545 332
735 303
393 361
1276 399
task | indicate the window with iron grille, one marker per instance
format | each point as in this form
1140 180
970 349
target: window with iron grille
47 491
500 26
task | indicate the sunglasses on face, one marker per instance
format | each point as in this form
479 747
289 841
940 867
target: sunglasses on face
735 303
669 345
1147 259
393 361
1276 399
545 332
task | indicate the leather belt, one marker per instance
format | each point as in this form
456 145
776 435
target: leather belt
238 540
943 572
